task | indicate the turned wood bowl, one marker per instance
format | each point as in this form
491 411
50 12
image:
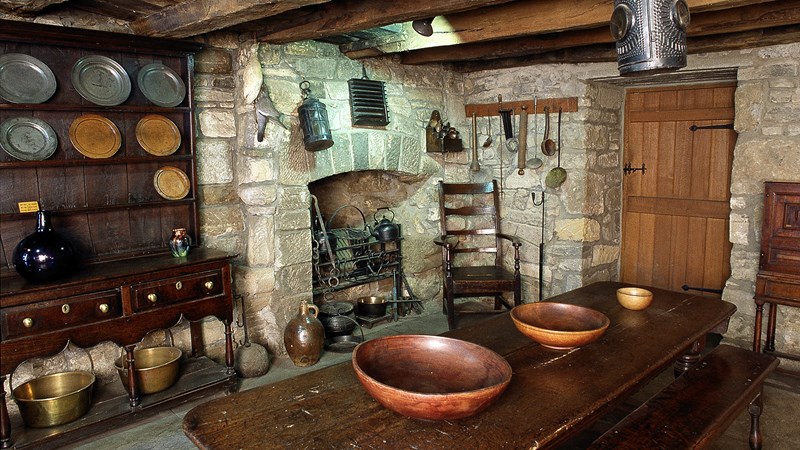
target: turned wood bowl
430 377
559 326
634 298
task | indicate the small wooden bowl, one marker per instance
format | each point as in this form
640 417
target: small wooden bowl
430 377
634 298
559 326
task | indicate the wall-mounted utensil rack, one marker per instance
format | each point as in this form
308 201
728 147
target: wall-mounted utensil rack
567 104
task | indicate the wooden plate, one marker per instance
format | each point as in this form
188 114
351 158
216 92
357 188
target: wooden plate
158 135
95 136
171 183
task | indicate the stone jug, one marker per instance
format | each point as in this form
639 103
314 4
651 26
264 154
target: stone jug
304 336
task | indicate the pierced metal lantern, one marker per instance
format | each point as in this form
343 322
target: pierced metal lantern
650 35
314 121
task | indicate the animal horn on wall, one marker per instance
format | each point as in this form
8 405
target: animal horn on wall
265 111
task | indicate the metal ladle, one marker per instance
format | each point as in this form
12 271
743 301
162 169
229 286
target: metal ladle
548 146
489 138
535 162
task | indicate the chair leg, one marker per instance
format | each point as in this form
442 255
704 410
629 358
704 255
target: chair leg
449 305
497 302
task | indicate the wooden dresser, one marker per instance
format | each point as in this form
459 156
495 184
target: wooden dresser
121 302
778 279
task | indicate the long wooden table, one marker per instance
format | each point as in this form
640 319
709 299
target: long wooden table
552 396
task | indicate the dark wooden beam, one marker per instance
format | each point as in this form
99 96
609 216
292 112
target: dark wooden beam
194 17
516 19
607 52
345 16
744 18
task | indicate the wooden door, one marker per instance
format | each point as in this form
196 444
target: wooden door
675 214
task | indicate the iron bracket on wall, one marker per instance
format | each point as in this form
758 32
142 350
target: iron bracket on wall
727 126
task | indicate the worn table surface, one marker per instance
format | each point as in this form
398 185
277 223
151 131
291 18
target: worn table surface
552 395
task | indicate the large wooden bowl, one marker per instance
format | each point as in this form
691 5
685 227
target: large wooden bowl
559 325
430 377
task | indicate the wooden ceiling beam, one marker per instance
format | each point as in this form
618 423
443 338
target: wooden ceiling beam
516 19
347 16
744 18
194 17
607 52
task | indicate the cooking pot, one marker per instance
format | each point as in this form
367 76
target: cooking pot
385 230
335 318
372 306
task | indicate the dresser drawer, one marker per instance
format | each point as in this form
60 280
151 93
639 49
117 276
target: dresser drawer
782 289
65 312
178 289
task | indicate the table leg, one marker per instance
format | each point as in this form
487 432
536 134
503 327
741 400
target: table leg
772 312
688 359
5 420
133 390
757 327
754 408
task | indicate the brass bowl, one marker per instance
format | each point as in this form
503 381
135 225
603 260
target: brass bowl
54 399
559 326
634 298
430 377
157 368
371 306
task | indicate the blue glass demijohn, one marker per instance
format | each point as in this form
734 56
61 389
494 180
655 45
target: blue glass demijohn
44 255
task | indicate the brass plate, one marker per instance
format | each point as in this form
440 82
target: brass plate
171 183
158 135
95 136
25 79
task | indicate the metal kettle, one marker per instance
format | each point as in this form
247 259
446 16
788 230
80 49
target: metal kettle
385 230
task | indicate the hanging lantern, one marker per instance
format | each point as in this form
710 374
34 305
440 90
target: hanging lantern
314 121
650 35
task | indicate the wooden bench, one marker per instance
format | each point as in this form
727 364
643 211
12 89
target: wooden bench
698 406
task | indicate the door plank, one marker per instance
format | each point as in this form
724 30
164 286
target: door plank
679 207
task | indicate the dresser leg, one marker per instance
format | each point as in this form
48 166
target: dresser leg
5 420
133 394
228 347
757 327
772 311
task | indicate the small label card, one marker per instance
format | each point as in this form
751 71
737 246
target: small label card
26 207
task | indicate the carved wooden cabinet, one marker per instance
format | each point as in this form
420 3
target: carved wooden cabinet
113 210
778 279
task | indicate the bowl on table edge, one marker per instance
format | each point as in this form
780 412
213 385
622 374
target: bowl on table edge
430 377
559 326
634 298
157 368
54 399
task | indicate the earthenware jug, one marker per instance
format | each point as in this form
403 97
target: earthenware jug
44 255
180 242
304 336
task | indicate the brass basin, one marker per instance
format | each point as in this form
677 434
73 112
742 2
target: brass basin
157 368
54 399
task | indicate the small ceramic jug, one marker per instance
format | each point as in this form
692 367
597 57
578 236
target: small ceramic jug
304 336
180 242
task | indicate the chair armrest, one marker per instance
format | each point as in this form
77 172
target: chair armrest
514 240
446 240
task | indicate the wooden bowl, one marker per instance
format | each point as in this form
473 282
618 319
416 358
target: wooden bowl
559 325
634 298
54 399
430 377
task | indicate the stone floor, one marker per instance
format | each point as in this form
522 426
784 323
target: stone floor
780 421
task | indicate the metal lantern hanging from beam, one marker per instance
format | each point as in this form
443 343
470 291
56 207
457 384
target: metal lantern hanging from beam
314 121
650 35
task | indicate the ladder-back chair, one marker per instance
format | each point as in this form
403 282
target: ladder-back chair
472 251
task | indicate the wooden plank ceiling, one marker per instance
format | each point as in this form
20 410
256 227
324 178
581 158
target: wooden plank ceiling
468 34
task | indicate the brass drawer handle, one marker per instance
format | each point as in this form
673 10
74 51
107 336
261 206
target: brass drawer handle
65 308
152 297
209 285
179 285
103 308
27 322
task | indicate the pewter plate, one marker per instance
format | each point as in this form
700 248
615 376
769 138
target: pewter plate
28 138
161 85
25 79
101 80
